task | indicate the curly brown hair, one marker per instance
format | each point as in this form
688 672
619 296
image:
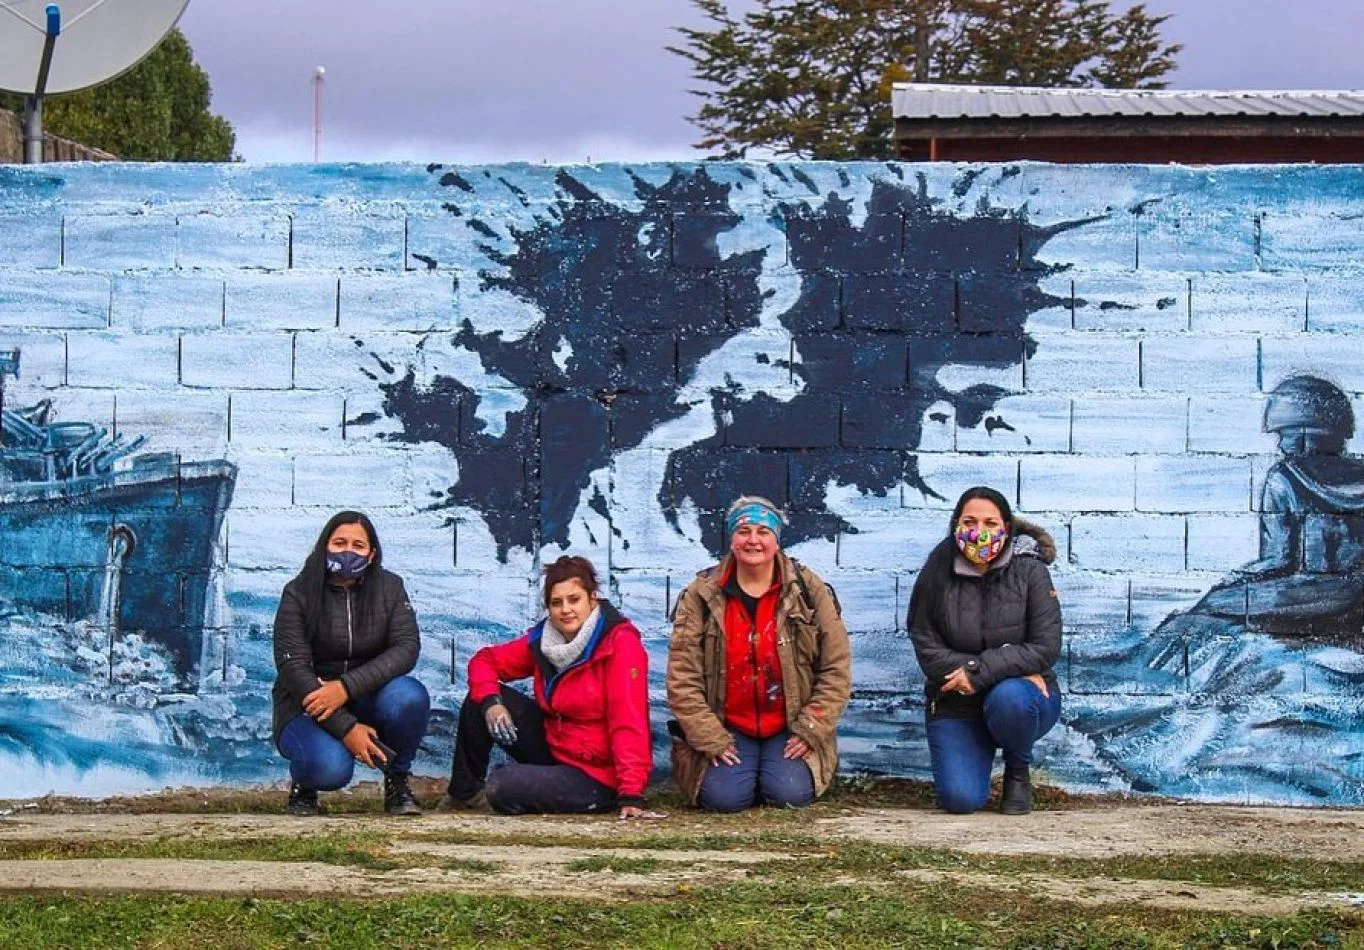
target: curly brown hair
571 567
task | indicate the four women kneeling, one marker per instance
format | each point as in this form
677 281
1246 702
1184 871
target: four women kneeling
758 676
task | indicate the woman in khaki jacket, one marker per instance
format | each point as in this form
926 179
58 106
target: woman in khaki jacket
759 672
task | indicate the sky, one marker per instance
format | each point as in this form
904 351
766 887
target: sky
474 81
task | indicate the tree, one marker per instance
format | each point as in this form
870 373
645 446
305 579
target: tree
813 78
156 111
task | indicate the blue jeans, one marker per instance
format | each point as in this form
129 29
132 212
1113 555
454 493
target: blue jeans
762 771
399 711
1016 715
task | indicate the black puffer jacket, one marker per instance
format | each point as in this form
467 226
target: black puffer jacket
362 648
1002 624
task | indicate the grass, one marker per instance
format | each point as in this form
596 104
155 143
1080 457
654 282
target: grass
365 798
635 836
781 903
616 864
370 850
750 915
364 850
1271 874
471 865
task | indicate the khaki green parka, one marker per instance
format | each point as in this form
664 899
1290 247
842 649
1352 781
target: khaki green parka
816 669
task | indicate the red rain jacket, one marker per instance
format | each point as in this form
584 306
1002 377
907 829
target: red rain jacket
596 709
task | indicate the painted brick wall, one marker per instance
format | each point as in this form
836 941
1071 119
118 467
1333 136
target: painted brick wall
501 364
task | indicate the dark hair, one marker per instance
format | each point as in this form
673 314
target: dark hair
312 580
937 570
984 493
570 567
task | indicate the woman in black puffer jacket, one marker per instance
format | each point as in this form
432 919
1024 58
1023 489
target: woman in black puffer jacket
986 626
345 639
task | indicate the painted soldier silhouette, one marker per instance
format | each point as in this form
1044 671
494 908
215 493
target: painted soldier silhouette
1308 582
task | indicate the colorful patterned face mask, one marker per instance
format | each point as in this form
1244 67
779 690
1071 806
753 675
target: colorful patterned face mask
980 545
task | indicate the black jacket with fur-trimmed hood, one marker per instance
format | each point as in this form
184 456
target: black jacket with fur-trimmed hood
998 625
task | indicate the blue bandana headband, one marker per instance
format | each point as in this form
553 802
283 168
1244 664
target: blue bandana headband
754 514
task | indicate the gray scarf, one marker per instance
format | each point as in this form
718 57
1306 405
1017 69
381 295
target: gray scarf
562 652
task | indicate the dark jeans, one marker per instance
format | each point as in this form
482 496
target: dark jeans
1016 715
536 782
399 711
762 774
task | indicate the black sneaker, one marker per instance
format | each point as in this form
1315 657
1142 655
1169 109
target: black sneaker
1016 796
398 797
303 801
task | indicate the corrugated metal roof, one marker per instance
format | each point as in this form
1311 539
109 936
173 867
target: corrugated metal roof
935 101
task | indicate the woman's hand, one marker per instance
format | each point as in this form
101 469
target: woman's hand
325 700
1037 680
500 725
360 742
632 811
958 682
728 757
796 748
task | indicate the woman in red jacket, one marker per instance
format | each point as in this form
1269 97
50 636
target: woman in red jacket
582 744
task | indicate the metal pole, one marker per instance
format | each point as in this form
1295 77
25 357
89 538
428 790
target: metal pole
318 77
33 105
33 130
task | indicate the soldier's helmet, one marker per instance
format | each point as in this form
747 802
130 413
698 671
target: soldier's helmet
1312 405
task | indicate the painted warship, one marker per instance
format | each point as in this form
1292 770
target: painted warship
92 529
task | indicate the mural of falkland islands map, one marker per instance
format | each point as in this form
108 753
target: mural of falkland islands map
638 346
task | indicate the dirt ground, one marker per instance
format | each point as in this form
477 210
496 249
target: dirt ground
601 858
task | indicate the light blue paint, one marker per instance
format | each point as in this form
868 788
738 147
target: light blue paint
233 241
117 242
1192 483
32 299
162 303
1247 302
1196 363
1079 362
1128 543
1131 301
1105 425
416 301
292 301
32 241
127 361
237 360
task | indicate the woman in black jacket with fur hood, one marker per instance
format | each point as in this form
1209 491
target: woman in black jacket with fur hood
345 639
986 626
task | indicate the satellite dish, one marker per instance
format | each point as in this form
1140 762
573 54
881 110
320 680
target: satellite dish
99 39
75 44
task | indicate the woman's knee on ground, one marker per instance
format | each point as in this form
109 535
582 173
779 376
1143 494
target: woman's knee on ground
497 794
962 800
727 793
323 767
790 786
513 790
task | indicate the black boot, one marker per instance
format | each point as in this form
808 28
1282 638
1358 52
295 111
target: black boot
478 801
303 801
1016 798
398 797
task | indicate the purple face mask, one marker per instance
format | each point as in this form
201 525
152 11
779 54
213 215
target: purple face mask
346 565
